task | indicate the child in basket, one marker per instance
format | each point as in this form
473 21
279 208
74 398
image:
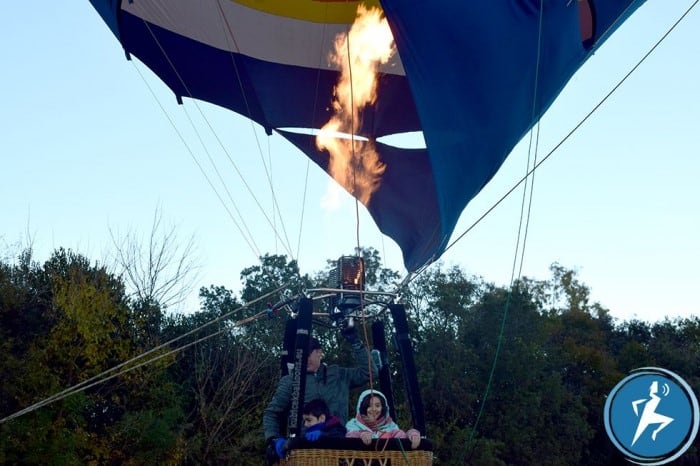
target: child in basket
319 423
372 421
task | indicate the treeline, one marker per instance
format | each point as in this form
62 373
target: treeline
508 377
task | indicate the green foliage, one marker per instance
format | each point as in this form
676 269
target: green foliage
508 376
274 271
64 322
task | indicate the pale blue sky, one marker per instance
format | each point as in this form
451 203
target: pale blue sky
85 147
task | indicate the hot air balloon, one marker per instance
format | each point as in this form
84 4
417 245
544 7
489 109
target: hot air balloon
472 76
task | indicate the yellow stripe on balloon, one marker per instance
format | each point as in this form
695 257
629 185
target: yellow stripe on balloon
317 11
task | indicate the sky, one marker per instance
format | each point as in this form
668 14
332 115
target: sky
92 143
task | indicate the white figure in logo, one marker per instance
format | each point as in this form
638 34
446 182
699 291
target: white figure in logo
649 414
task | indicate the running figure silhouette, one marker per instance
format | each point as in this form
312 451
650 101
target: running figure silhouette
649 415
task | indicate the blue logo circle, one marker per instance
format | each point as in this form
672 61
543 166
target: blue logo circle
652 416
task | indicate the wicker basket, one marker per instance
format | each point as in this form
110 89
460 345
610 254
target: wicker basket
358 458
351 452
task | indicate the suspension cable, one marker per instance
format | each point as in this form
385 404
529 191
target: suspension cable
276 212
251 244
218 139
506 308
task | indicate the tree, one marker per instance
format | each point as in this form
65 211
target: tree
82 328
508 375
160 272
225 381
273 272
582 341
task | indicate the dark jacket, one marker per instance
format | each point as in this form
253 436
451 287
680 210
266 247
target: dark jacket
330 383
331 428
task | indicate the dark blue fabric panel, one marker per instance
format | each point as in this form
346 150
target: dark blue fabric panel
108 10
293 96
404 207
272 94
610 14
192 69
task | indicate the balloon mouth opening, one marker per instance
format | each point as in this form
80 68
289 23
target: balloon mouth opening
408 140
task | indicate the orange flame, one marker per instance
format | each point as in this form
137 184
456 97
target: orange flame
354 163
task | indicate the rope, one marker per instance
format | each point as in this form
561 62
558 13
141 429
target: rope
470 441
218 139
321 54
100 378
276 210
221 179
274 200
253 247
529 206
533 115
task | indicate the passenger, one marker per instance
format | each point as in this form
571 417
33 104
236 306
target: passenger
373 421
331 383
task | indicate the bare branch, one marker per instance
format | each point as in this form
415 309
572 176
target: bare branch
162 272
